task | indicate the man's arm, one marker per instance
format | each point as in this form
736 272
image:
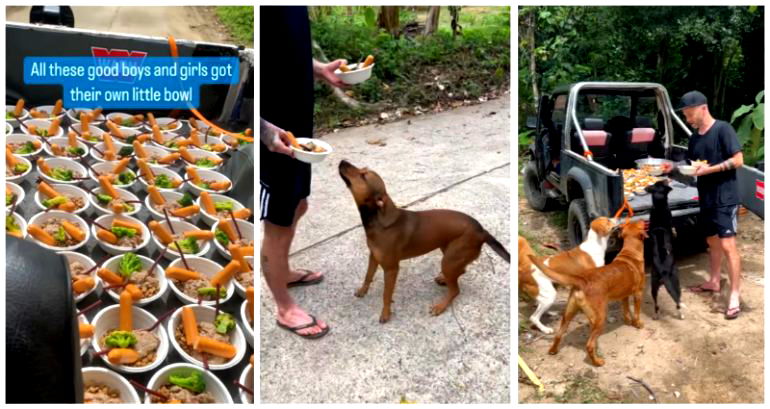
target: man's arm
736 161
274 138
325 72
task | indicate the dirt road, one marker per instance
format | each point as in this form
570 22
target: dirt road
189 23
701 359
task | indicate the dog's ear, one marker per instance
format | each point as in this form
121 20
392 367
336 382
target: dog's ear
649 189
387 212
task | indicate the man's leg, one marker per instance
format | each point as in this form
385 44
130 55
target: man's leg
295 275
715 263
730 247
275 266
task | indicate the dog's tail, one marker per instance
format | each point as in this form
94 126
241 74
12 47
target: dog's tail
498 248
563 279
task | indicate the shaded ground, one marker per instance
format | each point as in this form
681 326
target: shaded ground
460 356
702 359
188 23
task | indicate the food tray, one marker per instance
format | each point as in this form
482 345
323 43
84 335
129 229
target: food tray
168 301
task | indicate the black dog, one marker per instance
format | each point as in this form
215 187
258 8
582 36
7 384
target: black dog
664 271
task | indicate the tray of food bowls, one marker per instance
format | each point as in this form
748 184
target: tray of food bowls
160 254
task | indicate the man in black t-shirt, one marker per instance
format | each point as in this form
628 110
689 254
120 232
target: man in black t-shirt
716 153
287 71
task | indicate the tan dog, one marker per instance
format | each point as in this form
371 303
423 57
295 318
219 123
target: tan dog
394 234
587 255
592 291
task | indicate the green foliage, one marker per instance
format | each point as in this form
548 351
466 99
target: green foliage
239 20
751 129
525 139
409 68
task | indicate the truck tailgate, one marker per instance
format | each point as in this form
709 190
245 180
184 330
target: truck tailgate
751 186
680 197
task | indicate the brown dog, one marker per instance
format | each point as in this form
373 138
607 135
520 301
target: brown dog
394 234
592 291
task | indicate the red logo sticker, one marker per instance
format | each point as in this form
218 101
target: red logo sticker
103 52
760 192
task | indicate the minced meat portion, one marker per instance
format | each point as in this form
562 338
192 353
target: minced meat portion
246 279
132 242
53 226
146 346
147 283
183 395
170 205
100 394
205 329
190 288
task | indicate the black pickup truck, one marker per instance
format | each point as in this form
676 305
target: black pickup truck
587 133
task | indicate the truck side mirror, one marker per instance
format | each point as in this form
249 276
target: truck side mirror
532 122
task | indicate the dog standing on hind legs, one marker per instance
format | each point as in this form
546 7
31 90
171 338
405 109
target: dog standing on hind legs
394 234
664 271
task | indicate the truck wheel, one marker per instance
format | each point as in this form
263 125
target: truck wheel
533 190
577 222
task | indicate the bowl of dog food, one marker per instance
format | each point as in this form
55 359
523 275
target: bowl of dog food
23 144
655 166
187 383
311 150
101 385
356 73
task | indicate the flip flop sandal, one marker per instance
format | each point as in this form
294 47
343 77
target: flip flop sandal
732 313
700 289
295 330
302 282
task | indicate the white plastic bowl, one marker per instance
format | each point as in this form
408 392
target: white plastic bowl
126 133
229 140
48 109
18 191
112 115
210 219
240 289
24 138
40 124
113 265
106 221
42 217
312 157
101 147
205 267
21 222
355 76
63 141
180 226
158 170
123 193
206 174
8 129
107 167
59 162
84 342
24 115
247 231
212 140
108 319
71 114
103 376
72 257
70 190
213 384
686 170
169 196
21 176
247 379
165 121
92 128
202 154
206 314
248 327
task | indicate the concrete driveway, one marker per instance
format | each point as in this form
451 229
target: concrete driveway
458 159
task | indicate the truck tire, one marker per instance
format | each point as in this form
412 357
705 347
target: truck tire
533 190
577 222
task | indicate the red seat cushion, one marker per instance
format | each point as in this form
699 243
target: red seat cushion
595 138
642 135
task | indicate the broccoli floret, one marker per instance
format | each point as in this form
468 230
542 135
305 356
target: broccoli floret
60 236
224 322
76 150
20 168
28 147
185 200
129 263
192 380
103 199
126 178
205 163
62 174
220 206
120 339
123 232
54 202
222 237
163 181
188 245
126 151
11 225
210 291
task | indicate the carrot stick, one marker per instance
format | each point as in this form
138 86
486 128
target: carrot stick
199 234
186 155
11 160
155 195
108 142
47 190
214 347
250 301
170 158
194 137
85 330
221 185
156 135
186 211
163 234
126 224
192 174
244 213
73 231
84 122
72 139
43 166
139 149
57 107
146 171
84 284
136 293
181 274
19 109
41 234
121 166
207 203
126 315
225 226
190 325
109 277
223 276
106 185
121 356
114 130
235 251
107 236
151 119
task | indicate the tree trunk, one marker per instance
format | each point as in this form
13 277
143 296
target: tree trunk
456 27
388 19
532 57
349 10
431 22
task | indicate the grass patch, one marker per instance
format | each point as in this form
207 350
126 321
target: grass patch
583 389
239 20
411 70
558 219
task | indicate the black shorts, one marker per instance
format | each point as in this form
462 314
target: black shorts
720 221
284 182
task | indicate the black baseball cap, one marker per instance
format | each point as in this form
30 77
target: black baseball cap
692 99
